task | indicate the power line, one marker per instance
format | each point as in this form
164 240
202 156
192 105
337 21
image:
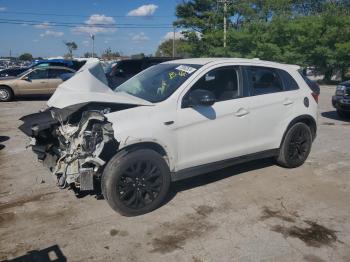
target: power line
80 15
88 26
71 24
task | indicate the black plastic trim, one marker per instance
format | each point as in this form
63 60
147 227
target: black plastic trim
206 168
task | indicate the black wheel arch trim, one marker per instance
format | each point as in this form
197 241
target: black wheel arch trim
147 145
308 120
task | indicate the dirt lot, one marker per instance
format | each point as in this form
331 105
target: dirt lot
252 212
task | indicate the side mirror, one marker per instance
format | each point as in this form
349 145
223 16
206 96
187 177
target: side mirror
200 97
26 78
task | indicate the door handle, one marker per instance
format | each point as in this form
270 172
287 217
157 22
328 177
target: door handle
287 102
242 112
42 82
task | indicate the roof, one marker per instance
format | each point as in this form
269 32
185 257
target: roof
203 61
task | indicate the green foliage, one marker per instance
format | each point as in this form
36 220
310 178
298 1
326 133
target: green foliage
305 32
26 57
71 46
108 54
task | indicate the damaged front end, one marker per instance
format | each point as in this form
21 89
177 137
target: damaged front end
74 143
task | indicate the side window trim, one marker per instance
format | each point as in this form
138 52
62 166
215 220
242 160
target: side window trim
250 89
283 74
240 89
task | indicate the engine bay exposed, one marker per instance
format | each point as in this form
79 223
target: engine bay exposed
75 142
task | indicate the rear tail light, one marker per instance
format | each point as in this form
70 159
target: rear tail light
315 96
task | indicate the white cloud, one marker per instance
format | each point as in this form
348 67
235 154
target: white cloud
44 25
170 35
144 10
139 37
3 8
52 33
86 43
96 24
178 35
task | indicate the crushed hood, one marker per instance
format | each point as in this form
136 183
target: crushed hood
89 84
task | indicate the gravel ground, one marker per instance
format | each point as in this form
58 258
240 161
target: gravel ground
252 212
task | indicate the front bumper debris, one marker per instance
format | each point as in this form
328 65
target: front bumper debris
75 149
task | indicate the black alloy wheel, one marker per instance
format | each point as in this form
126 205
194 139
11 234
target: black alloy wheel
139 184
299 144
136 182
296 146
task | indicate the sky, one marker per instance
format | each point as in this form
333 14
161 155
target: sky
41 27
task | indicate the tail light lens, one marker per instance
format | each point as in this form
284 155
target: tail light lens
315 96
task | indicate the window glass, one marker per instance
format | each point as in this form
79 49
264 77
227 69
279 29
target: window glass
157 83
56 73
39 74
263 80
222 82
131 67
288 81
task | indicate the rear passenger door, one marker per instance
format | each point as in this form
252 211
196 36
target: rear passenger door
270 104
54 78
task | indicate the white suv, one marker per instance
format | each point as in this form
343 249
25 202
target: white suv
172 121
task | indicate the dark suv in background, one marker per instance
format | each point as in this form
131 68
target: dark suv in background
125 69
341 99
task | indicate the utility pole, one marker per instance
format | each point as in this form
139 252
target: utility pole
225 2
93 44
174 42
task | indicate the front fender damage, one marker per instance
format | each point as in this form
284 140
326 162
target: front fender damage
75 149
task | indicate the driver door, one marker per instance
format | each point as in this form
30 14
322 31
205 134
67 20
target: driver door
34 83
207 134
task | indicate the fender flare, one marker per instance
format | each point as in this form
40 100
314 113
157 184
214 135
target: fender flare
150 144
308 120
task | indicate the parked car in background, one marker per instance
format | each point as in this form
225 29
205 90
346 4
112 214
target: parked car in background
42 80
341 99
125 69
172 121
12 71
73 64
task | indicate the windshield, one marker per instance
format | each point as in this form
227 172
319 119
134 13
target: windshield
23 73
158 82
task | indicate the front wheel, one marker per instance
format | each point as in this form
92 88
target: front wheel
296 146
136 182
6 94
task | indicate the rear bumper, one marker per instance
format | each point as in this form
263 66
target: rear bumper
341 103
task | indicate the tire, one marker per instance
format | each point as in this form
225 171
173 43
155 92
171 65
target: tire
343 114
136 182
6 94
296 146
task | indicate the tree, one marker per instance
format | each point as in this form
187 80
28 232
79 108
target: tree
26 57
109 55
71 46
182 48
304 32
88 55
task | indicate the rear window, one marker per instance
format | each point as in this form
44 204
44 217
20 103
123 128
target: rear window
288 81
312 84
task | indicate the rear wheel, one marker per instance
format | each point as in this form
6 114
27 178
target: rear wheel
296 146
136 182
6 94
